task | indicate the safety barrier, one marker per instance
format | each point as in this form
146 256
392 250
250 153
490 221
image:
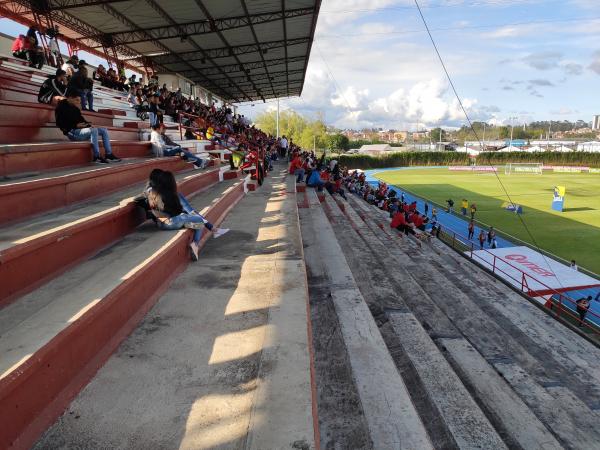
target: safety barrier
565 305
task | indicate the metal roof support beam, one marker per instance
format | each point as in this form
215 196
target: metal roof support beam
262 56
224 52
124 20
246 66
55 5
205 26
263 76
285 41
206 12
174 24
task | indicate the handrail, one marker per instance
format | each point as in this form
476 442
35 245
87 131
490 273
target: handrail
504 234
522 280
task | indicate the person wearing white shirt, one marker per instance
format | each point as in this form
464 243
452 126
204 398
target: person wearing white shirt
162 145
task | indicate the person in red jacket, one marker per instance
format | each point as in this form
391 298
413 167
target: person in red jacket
297 169
23 47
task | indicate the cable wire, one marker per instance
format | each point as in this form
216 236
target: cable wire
468 118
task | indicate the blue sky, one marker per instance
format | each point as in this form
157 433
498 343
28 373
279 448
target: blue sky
372 64
524 59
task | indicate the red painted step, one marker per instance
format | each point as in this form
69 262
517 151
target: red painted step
12 134
34 113
112 112
35 394
23 158
50 254
27 198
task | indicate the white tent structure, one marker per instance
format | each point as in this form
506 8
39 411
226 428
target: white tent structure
593 147
374 149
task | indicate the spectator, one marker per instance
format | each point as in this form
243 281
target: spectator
71 65
450 204
473 210
283 146
573 265
434 216
83 85
463 207
53 89
154 113
491 235
170 210
583 305
163 145
471 229
314 180
76 128
425 208
297 169
481 239
23 47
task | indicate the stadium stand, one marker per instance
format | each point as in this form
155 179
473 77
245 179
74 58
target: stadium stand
311 324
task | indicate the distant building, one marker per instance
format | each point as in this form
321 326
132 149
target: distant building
596 123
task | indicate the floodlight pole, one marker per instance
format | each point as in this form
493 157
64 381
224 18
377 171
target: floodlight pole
511 133
484 124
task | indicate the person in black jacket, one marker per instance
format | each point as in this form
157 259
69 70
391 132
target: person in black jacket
53 89
83 85
76 128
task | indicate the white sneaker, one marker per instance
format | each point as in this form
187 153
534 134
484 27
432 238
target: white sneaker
194 249
218 232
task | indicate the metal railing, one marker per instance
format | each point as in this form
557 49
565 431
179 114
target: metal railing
564 304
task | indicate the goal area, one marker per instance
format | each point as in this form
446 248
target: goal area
518 168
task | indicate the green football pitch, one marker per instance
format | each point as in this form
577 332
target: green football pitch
572 234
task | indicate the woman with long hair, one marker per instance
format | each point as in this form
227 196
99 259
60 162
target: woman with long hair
170 210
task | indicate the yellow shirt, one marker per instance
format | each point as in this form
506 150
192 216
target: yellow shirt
465 204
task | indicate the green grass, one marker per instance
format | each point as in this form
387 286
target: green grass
572 234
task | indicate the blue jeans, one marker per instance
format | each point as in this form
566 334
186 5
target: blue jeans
183 220
154 119
87 99
91 134
299 175
176 150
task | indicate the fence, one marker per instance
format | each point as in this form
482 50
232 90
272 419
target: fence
564 305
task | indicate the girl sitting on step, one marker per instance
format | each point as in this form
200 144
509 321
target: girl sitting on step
170 210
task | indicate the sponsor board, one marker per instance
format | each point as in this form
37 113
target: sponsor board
531 272
570 169
592 170
473 168
530 169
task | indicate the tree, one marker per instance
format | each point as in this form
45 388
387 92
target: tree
435 134
338 142
303 131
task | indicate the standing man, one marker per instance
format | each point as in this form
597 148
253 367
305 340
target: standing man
76 128
463 207
426 209
283 146
481 239
471 229
491 235
583 305
473 210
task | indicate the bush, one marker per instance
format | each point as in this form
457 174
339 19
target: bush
406 159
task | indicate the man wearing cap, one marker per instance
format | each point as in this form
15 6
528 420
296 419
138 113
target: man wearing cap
53 88
70 66
76 128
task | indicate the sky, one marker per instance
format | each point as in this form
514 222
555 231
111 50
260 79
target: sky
372 63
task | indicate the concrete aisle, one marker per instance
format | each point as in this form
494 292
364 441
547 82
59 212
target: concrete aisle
222 361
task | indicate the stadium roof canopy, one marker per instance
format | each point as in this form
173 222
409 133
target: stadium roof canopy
241 50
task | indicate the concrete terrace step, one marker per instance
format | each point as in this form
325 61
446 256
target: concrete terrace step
21 160
222 360
18 134
532 373
58 189
54 339
451 416
390 415
53 242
